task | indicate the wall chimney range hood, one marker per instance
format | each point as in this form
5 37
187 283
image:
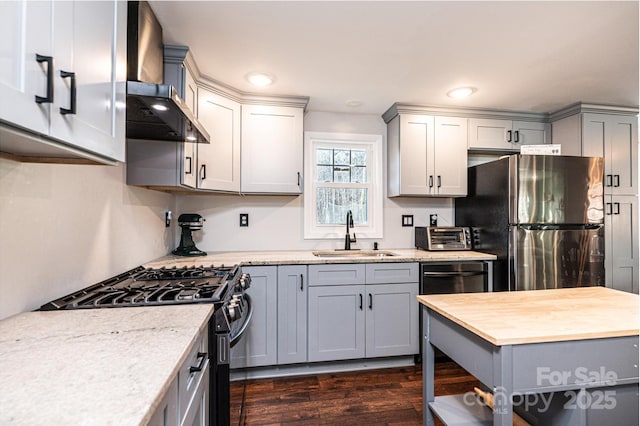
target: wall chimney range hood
155 111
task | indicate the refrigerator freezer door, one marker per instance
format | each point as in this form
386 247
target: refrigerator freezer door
556 258
556 189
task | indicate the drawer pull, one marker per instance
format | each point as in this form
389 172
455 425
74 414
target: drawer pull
200 366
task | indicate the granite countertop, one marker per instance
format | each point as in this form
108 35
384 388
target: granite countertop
536 316
306 257
93 366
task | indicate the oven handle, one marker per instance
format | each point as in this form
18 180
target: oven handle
236 338
453 274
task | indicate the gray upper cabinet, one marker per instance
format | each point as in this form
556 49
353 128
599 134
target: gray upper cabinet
506 135
40 114
292 314
611 132
426 155
614 137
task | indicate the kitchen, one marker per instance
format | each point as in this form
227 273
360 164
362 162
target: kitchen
96 226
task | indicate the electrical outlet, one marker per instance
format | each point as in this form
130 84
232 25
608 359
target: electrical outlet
244 219
167 218
407 220
433 219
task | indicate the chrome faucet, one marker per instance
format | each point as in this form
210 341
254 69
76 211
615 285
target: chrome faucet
347 238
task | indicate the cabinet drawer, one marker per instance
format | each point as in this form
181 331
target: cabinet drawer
188 380
388 273
336 274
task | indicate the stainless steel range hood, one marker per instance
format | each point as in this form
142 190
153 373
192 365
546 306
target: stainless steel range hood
155 111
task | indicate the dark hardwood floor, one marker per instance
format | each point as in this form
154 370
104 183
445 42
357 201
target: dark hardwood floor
390 396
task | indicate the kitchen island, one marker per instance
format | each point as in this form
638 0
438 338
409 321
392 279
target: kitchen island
94 366
563 356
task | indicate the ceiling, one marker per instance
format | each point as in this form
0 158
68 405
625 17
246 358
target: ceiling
527 56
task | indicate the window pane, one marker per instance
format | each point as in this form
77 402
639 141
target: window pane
359 158
341 174
324 156
325 173
359 174
342 157
333 204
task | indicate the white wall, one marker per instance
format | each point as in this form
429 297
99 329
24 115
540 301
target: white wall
64 227
276 222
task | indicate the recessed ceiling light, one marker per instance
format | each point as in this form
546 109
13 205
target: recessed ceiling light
159 107
461 92
353 103
259 79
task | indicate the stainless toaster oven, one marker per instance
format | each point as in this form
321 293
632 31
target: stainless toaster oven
443 238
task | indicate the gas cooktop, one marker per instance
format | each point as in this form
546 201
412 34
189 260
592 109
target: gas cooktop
148 286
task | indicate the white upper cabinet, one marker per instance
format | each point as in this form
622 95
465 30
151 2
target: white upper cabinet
65 76
506 135
218 164
25 33
427 155
271 154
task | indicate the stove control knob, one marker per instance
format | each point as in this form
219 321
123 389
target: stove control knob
245 281
235 298
232 310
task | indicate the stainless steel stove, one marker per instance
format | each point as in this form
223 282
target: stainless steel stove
223 286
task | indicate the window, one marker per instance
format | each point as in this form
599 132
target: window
343 172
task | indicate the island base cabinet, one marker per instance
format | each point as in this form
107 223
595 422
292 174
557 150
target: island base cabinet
336 322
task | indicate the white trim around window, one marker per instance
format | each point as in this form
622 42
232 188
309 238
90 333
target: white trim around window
372 144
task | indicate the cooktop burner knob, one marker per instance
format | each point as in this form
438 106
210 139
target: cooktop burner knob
245 281
232 310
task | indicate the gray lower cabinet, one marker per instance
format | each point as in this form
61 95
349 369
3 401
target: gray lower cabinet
392 320
336 322
373 314
292 314
185 402
258 345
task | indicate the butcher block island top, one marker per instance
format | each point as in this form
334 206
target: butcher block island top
513 318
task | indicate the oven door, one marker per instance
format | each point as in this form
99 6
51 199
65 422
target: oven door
225 336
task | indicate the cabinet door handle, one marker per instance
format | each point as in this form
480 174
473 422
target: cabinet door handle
609 181
188 172
608 210
49 97
616 182
617 206
430 181
360 301
439 181
509 135
301 282
200 366
72 92
370 302
203 172
298 178
516 136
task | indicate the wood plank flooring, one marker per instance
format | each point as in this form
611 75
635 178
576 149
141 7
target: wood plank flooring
390 396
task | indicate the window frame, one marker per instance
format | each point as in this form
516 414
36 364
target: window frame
373 145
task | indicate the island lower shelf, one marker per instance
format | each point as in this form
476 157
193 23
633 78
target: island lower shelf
461 410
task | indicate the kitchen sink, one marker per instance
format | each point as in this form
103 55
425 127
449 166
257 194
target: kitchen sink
353 253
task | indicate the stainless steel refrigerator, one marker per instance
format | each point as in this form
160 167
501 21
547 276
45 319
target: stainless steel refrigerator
542 216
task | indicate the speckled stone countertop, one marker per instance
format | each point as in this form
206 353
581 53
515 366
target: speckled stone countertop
306 257
93 366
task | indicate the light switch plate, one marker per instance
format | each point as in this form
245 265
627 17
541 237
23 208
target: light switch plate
244 219
407 220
